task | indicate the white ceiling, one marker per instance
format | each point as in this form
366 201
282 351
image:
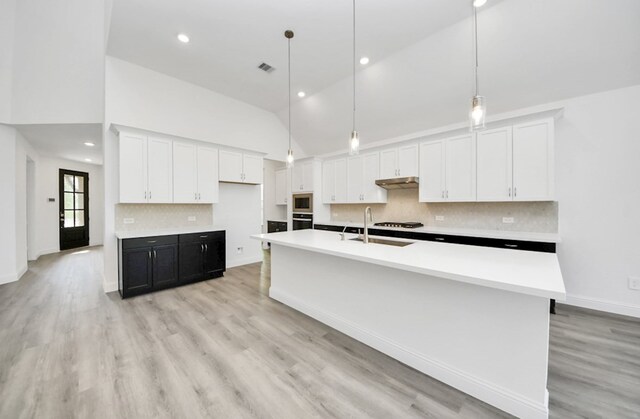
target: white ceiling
65 140
229 39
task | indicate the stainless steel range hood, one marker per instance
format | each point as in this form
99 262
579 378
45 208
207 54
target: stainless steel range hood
398 183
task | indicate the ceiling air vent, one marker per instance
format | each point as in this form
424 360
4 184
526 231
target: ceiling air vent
266 68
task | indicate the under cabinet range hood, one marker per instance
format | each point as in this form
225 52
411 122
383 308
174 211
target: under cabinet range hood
409 182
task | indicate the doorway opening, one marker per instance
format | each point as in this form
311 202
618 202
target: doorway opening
74 209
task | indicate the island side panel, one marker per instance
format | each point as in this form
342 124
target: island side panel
489 343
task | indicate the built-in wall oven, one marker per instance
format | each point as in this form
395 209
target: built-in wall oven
303 202
302 221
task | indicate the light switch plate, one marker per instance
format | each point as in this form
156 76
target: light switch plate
191 218
128 220
634 283
439 217
508 220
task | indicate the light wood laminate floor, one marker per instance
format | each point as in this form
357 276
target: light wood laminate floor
223 349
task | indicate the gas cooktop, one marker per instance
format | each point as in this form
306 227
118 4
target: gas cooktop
403 225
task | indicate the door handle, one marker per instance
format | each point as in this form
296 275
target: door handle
201 248
206 248
149 254
155 255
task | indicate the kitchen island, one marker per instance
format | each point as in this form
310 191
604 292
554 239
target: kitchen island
452 311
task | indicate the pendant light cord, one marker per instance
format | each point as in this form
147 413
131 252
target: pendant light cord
289 76
475 45
354 65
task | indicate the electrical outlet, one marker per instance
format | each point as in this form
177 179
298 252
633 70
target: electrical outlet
191 218
507 220
240 250
128 220
439 217
634 283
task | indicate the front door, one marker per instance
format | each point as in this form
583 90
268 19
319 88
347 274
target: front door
74 209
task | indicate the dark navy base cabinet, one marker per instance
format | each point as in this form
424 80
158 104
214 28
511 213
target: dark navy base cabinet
153 263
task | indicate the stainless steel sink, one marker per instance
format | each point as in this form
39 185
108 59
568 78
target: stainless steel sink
384 241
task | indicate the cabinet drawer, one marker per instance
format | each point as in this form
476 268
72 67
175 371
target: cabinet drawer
148 242
199 237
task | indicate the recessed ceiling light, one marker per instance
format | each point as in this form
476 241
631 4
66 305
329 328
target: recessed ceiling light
479 3
301 94
185 38
365 60
87 160
89 144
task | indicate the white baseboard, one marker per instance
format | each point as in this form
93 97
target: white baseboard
499 397
602 305
243 261
110 286
5 279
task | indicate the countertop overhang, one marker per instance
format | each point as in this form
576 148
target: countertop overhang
531 273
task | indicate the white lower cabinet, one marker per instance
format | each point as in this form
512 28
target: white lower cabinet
334 181
362 172
281 187
448 170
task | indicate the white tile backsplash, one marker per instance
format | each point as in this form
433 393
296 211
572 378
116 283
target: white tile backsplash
160 216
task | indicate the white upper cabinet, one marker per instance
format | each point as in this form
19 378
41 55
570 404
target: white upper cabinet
516 163
334 181
362 172
195 174
399 162
493 159
533 161
448 170
281 187
238 167
146 167
302 177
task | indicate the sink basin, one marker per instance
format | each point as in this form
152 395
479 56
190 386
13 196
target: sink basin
385 241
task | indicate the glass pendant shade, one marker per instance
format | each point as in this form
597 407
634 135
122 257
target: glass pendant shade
478 113
354 143
290 158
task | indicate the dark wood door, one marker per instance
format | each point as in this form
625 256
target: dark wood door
137 272
165 266
214 254
74 209
191 260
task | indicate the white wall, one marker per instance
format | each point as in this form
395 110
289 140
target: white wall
24 152
47 223
58 62
7 19
597 175
7 204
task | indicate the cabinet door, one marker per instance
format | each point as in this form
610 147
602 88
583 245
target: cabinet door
354 179
208 188
371 171
460 168
328 182
230 166
136 271
533 161
160 181
389 163
281 187
307 176
165 266
340 171
297 178
133 168
252 169
191 261
214 254
431 188
184 173
493 165
408 160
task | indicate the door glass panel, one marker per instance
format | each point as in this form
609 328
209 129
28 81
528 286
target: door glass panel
68 183
68 218
68 201
79 201
79 184
79 218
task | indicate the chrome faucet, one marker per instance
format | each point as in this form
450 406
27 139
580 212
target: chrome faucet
342 234
366 226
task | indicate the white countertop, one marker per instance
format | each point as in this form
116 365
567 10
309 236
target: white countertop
467 232
277 221
133 234
532 273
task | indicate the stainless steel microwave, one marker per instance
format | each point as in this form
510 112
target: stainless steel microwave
303 202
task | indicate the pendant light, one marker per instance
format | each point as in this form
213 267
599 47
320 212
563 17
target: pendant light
354 141
478 104
289 34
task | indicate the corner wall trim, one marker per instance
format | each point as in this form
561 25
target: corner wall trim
602 305
5 279
497 396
